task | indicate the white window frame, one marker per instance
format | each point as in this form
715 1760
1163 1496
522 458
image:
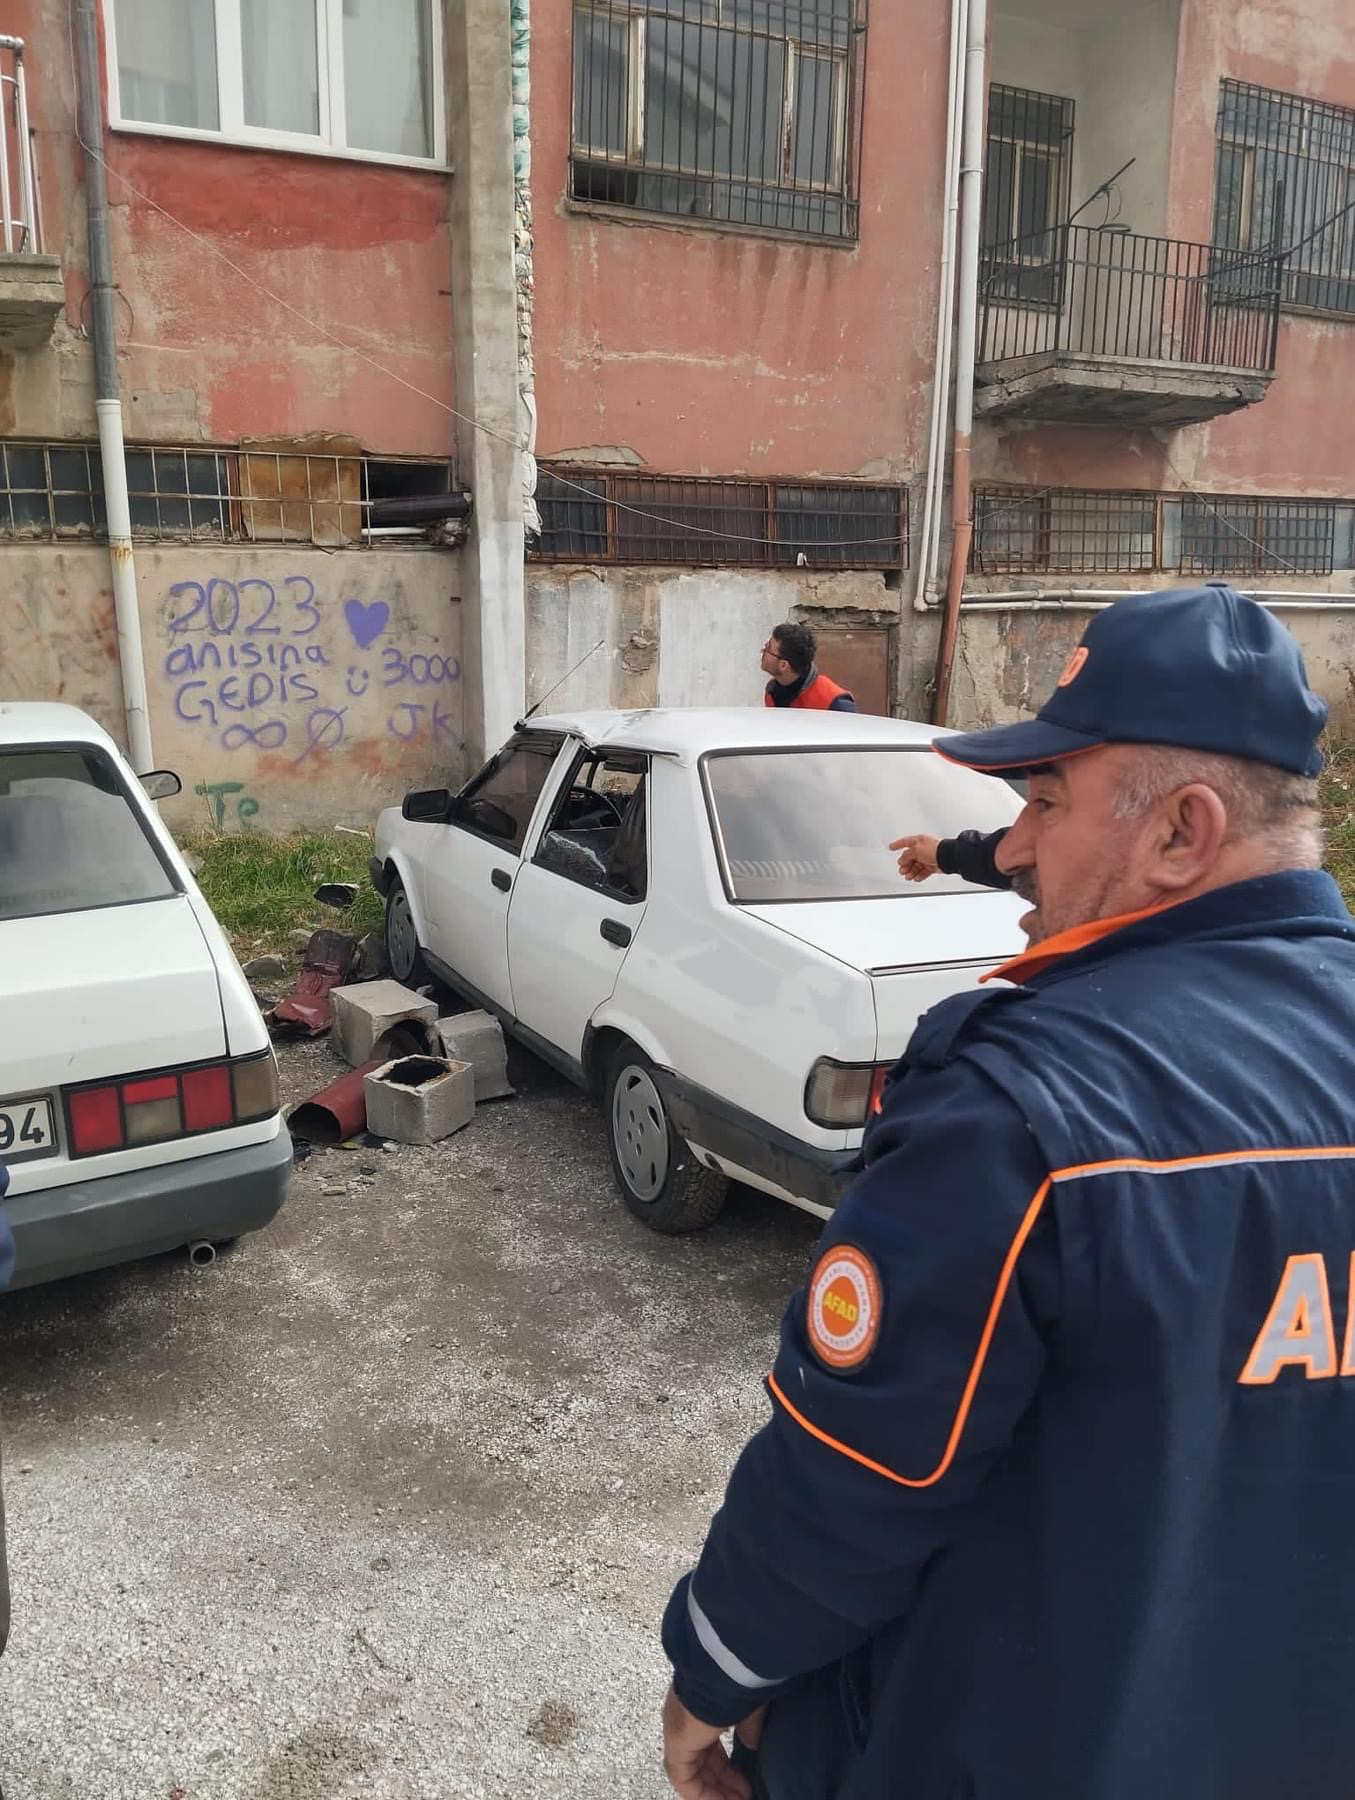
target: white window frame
232 128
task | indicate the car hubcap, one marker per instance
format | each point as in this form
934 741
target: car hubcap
401 944
640 1133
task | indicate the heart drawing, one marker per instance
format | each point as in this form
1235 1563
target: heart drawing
366 622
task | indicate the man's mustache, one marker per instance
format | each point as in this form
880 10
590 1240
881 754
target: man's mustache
1025 884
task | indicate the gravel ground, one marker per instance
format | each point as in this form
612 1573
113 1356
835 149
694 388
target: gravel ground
389 1500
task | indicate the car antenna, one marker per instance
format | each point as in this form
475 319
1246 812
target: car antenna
559 684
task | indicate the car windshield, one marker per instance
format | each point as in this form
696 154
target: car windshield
816 824
69 839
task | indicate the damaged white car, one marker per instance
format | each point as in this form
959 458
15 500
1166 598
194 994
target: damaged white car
695 915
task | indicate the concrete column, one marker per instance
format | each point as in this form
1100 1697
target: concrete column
485 343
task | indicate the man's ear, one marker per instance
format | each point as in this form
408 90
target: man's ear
1191 829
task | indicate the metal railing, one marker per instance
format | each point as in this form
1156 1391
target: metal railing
1089 291
20 217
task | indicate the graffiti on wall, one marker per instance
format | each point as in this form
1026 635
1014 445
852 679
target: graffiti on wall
249 667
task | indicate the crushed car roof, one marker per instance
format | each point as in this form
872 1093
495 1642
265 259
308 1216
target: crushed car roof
688 732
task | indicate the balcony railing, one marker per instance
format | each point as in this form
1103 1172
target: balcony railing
1102 294
20 220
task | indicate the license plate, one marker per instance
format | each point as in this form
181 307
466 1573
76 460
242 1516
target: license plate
27 1129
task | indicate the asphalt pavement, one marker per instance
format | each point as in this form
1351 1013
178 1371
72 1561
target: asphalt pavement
388 1500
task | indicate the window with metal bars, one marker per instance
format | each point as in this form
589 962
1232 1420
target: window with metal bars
707 522
55 490
746 112
1242 536
1284 178
1027 172
1019 529
1038 530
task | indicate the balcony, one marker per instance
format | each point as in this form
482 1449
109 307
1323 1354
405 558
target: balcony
1098 326
31 291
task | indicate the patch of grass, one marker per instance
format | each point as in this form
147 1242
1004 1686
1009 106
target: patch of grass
1338 815
262 887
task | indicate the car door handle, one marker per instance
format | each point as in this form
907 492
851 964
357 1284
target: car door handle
501 879
615 932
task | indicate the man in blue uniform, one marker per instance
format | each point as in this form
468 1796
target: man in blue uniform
1056 1498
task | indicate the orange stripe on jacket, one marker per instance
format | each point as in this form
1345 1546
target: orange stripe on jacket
1023 1231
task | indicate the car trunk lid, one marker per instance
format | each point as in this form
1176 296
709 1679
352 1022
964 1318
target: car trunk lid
916 948
107 992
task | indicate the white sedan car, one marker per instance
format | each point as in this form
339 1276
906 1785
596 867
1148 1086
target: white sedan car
695 915
138 1091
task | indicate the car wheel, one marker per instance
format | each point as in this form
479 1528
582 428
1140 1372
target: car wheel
661 1182
404 957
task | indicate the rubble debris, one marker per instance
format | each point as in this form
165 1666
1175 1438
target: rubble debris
477 1038
339 1111
372 963
420 1099
265 968
365 1011
338 894
327 965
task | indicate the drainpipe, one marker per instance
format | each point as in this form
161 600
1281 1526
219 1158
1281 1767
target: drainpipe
108 405
945 314
966 338
520 23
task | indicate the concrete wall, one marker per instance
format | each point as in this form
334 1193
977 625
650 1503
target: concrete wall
686 637
1008 662
699 350
287 687
1139 100
361 251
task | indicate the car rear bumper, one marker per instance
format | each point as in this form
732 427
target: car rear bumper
738 1137
89 1225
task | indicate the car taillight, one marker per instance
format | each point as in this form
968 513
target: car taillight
841 1096
153 1109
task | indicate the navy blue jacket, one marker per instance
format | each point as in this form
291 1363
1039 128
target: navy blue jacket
973 857
1083 1525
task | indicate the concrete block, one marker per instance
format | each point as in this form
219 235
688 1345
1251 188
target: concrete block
419 1099
477 1038
366 1010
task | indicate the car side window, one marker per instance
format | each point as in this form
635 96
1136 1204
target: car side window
596 834
499 802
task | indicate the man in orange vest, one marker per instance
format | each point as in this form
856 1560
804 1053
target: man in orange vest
788 657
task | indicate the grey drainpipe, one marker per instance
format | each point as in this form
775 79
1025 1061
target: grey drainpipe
108 404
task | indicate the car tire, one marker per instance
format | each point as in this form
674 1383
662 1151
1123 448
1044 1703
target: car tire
404 953
661 1181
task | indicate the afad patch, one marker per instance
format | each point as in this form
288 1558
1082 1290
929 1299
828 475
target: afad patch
845 1306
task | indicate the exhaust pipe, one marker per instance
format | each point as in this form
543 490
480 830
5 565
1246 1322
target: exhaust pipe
202 1254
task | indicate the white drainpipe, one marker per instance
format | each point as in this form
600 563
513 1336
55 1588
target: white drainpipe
929 539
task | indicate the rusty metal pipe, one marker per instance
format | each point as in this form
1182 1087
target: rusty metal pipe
339 1111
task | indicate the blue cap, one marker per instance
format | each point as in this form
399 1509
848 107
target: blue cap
1200 668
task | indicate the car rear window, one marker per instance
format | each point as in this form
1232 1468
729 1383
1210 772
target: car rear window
69 838
816 824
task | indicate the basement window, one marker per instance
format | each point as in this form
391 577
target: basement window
710 522
1030 531
343 77
186 492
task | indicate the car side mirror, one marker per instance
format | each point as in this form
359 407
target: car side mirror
161 784
427 806
486 817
